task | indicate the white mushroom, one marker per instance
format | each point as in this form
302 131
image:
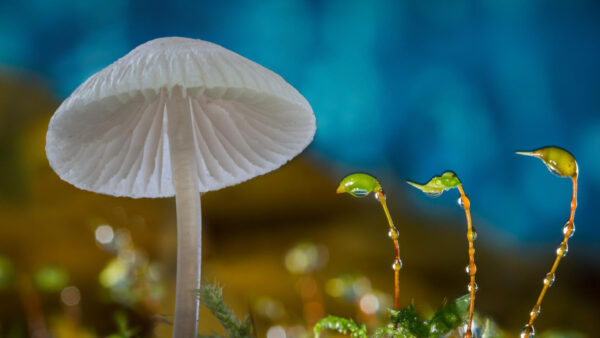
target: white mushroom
179 117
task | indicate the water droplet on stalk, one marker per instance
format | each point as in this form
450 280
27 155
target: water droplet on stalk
460 202
393 233
528 331
549 280
563 249
468 269
397 265
474 234
476 287
535 311
569 227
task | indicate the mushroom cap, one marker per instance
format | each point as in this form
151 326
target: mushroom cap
110 135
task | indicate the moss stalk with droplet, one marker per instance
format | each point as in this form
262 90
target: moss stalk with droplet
561 163
361 185
435 187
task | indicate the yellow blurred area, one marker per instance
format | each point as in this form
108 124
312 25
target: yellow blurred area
341 264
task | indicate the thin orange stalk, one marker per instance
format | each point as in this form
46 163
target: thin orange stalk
472 268
560 253
397 262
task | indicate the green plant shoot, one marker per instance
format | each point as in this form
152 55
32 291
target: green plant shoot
559 161
361 185
435 187
211 295
405 323
340 325
438 184
563 164
124 331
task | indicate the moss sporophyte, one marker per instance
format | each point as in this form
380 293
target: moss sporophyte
361 185
563 164
435 187
405 323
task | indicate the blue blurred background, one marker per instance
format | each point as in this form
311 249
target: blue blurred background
414 87
401 89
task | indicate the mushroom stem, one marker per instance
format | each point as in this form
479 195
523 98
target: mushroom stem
189 222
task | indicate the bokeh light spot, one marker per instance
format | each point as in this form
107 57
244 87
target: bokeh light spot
276 332
70 296
104 234
369 303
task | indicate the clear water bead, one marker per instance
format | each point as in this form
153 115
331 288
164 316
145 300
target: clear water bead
468 269
433 193
563 249
549 279
476 287
566 229
393 233
535 311
528 331
460 202
397 265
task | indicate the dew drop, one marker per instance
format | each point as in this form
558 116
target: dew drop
393 233
474 233
549 279
528 331
535 311
376 195
468 269
360 193
433 193
397 265
460 202
553 169
568 228
563 249
476 287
